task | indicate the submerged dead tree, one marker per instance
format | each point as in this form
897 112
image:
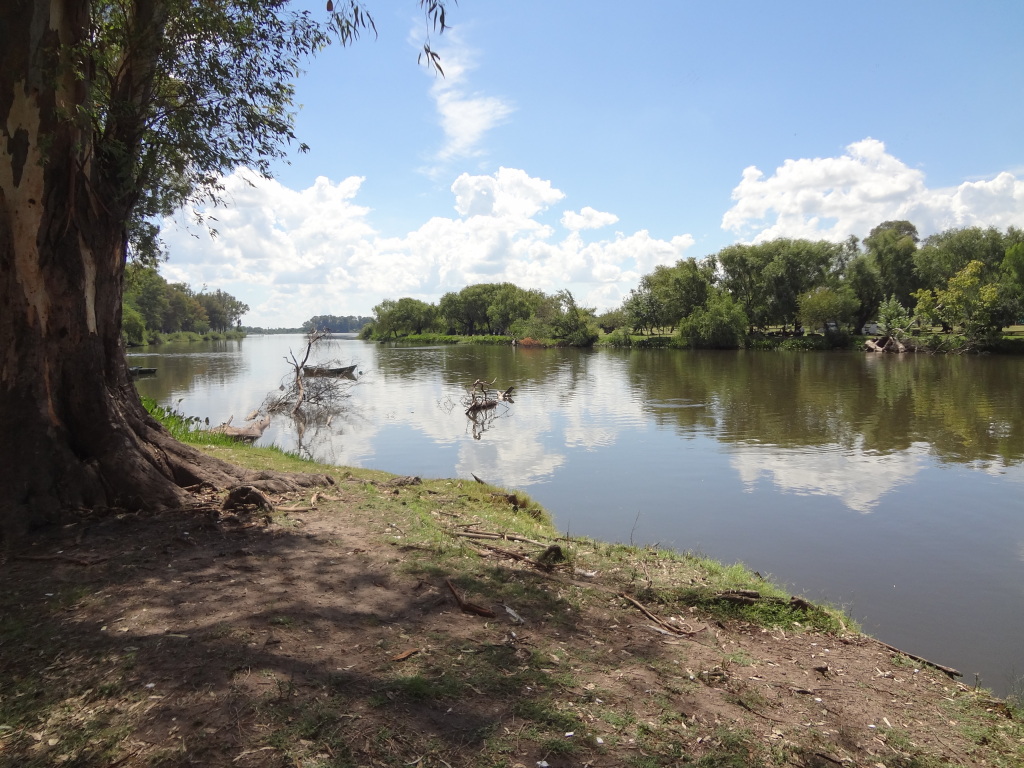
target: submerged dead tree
480 403
311 393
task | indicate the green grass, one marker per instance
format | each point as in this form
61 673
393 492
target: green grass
186 429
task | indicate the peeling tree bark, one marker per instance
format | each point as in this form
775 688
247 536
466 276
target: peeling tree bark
73 434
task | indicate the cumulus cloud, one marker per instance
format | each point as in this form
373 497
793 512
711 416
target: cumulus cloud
587 218
835 197
291 254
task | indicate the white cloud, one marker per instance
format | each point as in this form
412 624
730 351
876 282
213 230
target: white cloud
834 197
291 254
465 116
587 218
508 193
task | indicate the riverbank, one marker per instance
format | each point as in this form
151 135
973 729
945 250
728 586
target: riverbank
382 621
1010 344
155 338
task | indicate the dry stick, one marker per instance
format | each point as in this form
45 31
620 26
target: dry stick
470 607
514 556
948 670
67 558
501 536
672 628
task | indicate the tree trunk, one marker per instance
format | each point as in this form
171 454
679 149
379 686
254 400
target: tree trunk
74 434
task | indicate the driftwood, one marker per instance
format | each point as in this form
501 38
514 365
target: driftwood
498 536
251 432
948 670
889 345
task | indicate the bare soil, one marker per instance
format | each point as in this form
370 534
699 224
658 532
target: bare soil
330 634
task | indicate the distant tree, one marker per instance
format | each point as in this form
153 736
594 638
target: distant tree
862 280
1012 267
612 319
573 324
681 288
1012 278
892 246
449 310
946 253
335 324
223 309
510 303
743 276
385 320
767 279
468 311
133 327
414 316
185 312
794 267
719 324
171 307
976 308
643 309
821 306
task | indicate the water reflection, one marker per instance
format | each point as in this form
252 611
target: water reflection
849 426
857 477
964 409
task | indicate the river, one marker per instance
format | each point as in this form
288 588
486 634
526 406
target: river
890 486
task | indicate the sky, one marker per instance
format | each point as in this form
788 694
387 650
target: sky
580 144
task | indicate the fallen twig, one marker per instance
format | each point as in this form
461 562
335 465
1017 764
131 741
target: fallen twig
66 558
470 607
661 622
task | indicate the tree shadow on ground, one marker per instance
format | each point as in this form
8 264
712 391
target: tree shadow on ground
178 640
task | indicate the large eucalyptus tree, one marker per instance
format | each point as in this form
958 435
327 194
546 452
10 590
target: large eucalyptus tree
113 112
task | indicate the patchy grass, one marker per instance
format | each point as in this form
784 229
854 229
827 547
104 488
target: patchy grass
331 634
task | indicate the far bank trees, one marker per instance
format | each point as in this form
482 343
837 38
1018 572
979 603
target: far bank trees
969 281
489 309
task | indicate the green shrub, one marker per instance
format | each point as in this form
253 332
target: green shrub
719 324
133 326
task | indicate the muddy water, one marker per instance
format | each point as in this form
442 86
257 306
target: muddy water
891 486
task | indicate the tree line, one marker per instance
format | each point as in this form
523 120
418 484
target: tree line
491 309
967 281
335 324
153 306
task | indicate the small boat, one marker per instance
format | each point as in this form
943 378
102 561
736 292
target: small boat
315 370
138 370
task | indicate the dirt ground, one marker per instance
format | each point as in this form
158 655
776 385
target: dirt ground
328 634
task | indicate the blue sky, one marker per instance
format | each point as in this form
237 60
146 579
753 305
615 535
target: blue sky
579 145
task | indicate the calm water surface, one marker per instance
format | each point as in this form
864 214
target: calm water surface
890 486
